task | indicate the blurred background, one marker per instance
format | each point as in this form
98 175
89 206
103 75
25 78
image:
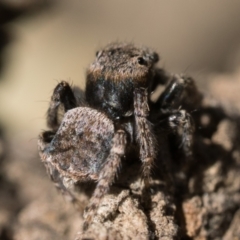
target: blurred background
44 41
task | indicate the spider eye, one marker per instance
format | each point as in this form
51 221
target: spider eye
141 61
97 52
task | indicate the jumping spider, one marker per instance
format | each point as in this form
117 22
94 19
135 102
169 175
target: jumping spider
91 140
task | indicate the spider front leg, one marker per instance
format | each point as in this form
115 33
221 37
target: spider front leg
44 140
182 122
180 90
145 136
107 174
62 94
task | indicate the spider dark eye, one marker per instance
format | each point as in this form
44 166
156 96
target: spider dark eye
141 61
97 52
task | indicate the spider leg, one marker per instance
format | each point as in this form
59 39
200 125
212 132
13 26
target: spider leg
62 94
180 90
107 174
172 93
182 122
145 136
43 142
58 181
160 77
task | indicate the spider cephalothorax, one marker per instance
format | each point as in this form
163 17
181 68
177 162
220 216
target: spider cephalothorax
93 137
117 71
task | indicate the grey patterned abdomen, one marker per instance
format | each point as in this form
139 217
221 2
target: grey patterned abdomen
82 143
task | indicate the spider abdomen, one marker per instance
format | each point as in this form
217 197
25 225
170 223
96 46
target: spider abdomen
82 143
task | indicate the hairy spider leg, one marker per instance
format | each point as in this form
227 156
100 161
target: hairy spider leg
182 123
180 89
145 136
107 175
172 93
44 140
169 109
160 77
62 94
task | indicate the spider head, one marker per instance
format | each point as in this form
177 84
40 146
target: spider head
111 79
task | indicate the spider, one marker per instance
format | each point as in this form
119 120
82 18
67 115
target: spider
94 136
